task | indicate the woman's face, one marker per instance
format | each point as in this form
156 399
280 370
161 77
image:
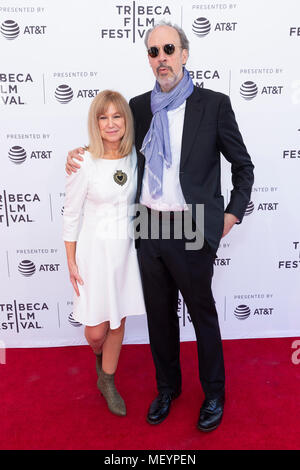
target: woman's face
111 125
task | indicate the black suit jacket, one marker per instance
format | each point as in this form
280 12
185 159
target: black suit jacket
209 129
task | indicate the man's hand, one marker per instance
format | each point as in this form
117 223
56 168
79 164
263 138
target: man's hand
71 165
229 221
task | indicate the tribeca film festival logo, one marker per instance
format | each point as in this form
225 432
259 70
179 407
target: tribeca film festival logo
10 84
10 30
17 154
201 27
136 19
182 313
198 76
15 208
291 154
291 263
295 31
19 316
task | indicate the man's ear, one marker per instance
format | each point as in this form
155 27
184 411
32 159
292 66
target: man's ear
185 56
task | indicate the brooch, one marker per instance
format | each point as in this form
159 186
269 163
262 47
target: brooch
120 177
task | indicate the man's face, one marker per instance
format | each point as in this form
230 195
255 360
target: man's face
167 68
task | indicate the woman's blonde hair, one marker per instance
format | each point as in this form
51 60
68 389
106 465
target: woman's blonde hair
98 107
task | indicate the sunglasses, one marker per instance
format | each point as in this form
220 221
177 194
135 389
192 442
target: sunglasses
169 49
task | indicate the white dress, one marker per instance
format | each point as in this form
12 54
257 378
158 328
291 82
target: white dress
105 252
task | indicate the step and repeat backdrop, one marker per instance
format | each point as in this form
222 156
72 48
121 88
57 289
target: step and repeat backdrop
54 58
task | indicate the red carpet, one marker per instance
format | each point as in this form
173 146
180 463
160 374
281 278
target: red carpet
49 400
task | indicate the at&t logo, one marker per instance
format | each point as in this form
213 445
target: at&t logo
27 267
222 261
18 155
249 208
201 27
64 93
72 321
242 312
262 206
11 30
250 90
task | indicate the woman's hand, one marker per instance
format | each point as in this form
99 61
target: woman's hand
75 277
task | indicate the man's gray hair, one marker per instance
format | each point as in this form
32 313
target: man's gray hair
184 42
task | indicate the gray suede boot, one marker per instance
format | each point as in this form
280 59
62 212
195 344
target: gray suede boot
106 385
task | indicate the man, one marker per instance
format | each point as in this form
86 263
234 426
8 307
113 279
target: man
180 131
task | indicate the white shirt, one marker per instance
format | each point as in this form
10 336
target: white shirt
172 198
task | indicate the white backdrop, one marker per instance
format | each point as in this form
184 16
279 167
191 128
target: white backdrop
54 58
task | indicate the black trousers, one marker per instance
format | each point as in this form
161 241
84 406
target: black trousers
166 267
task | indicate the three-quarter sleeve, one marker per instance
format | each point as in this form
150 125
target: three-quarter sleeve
76 191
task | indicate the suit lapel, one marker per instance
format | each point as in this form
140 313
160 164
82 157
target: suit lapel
192 120
147 114
141 130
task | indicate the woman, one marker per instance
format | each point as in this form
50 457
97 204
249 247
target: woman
101 258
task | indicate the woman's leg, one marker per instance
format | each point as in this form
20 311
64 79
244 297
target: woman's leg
110 356
112 348
96 335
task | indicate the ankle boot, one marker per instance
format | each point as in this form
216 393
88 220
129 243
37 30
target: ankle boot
98 363
106 385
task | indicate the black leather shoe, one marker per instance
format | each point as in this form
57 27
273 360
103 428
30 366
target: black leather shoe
211 413
160 407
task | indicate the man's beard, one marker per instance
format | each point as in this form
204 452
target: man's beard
169 82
